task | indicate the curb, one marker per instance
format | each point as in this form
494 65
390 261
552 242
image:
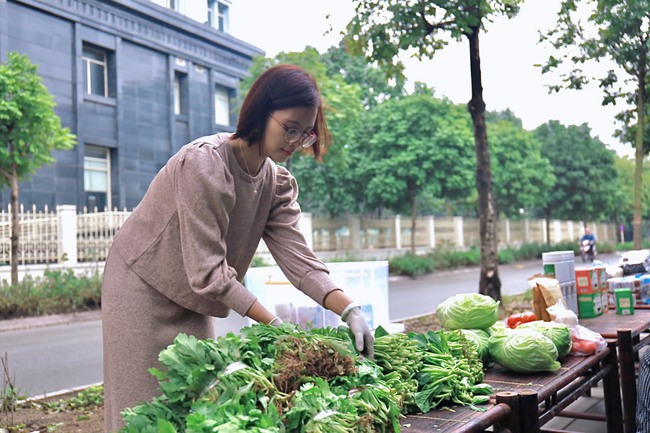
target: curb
53 319
61 393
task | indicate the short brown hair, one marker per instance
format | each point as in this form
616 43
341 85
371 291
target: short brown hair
281 87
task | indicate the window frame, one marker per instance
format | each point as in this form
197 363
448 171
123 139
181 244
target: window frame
219 15
107 170
88 62
181 93
219 96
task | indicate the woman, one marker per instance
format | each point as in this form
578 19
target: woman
181 256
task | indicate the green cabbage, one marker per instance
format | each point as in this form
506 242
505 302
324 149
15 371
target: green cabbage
523 351
497 327
559 333
468 311
480 339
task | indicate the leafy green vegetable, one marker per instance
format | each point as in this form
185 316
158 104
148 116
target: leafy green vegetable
524 350
399 353
559 333
480 339
286 379
449 372
468 311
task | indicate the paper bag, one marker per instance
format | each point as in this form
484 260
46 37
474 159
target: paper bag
546 292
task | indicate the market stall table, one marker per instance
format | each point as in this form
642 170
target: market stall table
625 330
457 419
523 403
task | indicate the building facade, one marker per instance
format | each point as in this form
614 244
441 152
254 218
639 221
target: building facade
134 79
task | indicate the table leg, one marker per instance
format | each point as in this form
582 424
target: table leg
628 378
612 392
529 411
511 423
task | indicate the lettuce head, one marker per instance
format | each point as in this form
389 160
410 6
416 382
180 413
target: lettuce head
523 350
468 311
559 333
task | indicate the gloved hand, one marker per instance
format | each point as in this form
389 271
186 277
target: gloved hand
276 321
363 338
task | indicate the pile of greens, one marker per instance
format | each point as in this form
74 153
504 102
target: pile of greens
286 379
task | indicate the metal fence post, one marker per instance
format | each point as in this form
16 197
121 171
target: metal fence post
67 221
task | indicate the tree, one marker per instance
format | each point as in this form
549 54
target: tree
624 210
373 83
418 146
586 177
383 29
29 132
616 31
522 176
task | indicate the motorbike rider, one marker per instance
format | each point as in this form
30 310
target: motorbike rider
591 239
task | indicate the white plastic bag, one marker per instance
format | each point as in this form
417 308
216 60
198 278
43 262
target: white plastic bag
584 341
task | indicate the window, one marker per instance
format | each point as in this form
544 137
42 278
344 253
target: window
221 105
218 15
180 93
176 5
95 73
98 71
97 174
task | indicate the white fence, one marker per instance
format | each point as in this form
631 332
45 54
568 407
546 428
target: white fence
60 235
65 236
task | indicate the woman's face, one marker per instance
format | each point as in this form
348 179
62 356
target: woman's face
274 144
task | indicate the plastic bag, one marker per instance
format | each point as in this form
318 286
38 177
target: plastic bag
584 341
561 314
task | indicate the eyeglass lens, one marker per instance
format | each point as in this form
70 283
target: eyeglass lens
292 135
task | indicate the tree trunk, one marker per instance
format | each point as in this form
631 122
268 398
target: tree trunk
15 225
489 283
638 172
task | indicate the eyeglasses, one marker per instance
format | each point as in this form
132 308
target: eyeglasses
293 135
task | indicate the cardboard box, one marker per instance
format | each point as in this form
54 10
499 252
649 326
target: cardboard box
601 272
638 284
590 305
587 281
624 301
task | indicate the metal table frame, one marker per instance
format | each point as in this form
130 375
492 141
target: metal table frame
625 332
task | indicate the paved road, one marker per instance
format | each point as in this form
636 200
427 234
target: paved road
415 297
46 359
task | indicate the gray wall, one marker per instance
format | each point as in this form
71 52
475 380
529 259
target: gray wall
136 122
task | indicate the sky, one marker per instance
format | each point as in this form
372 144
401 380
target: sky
509 52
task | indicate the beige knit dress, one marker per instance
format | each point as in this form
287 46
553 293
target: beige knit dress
181 257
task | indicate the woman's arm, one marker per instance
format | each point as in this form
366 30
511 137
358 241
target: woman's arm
260 314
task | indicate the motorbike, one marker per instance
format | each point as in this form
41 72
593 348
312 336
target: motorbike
588 250
635 262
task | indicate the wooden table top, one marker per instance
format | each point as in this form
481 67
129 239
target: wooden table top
609 323
458 418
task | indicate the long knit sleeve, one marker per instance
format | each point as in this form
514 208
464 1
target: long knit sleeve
288 246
